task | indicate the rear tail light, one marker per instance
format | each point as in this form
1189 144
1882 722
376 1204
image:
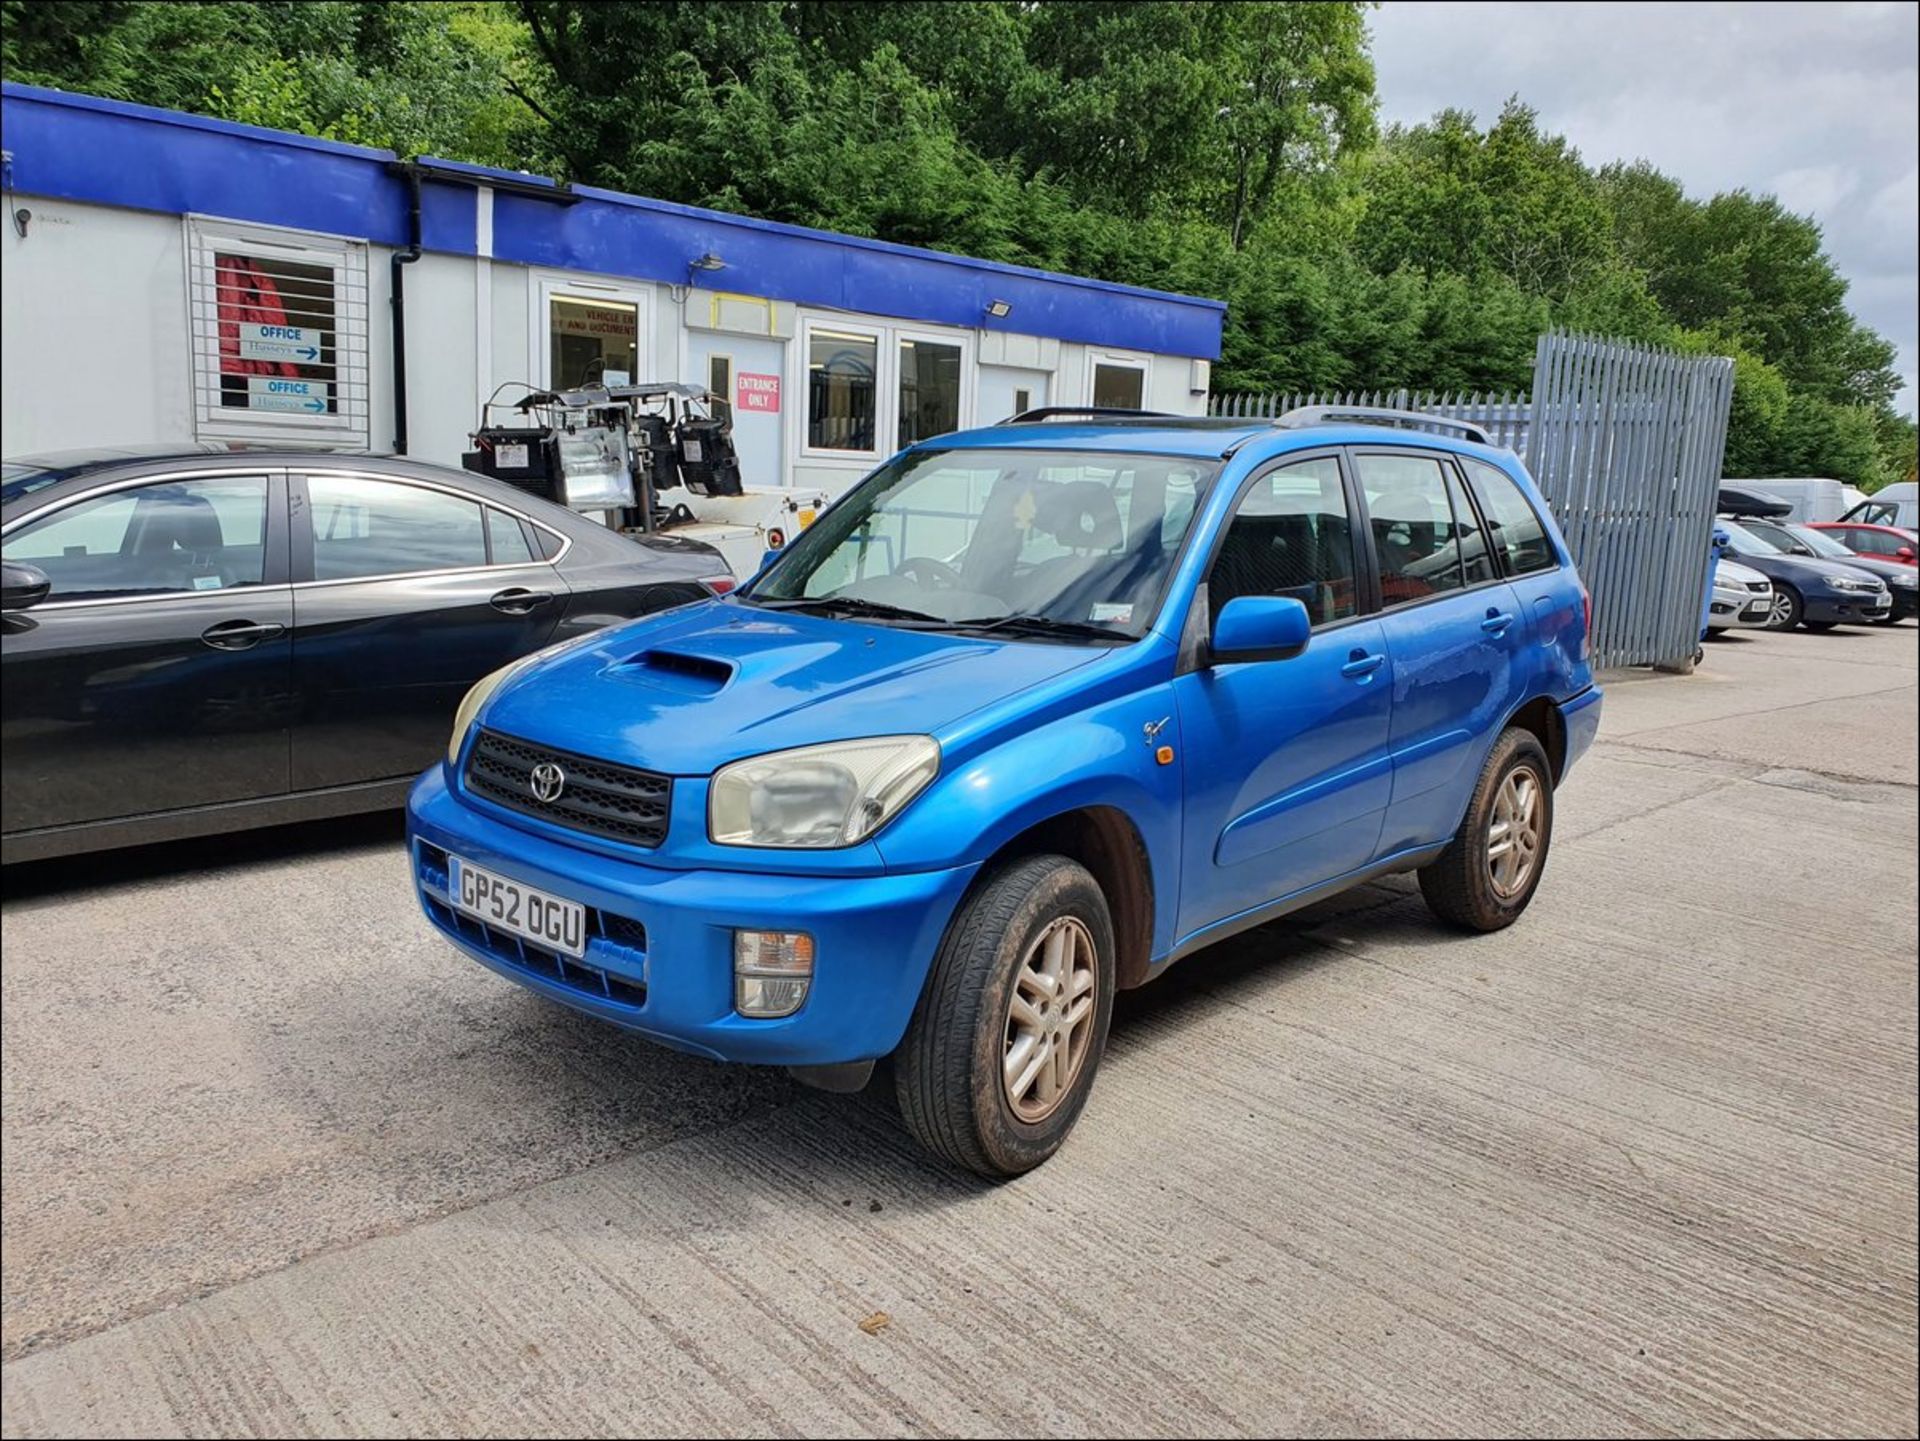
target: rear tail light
719 584
1586 635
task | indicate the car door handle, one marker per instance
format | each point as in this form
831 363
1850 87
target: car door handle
240 634
1496 621
1360 664
517 600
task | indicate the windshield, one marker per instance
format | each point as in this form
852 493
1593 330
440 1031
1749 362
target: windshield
1744 542
1820 543
1080 543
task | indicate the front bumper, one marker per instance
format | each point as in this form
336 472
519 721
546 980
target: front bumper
1739 608
1847 607
659 958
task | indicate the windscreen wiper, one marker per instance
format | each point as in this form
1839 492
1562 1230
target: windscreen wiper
1040 625
845 605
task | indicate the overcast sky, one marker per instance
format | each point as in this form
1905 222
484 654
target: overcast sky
1816 103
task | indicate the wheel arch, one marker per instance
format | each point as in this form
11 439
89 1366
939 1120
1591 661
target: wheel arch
1108 843
1542 717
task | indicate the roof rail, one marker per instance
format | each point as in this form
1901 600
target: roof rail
1307 415
1117 412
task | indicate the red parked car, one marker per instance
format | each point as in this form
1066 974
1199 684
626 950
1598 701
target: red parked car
1882 542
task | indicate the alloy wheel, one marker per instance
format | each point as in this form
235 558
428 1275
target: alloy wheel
1050 1015
1513 833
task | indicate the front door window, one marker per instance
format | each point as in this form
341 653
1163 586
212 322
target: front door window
180 535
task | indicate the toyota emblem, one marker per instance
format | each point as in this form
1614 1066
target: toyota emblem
547 781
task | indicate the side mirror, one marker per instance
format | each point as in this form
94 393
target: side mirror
1802 550
767 558
1904 553
1260 627
22 586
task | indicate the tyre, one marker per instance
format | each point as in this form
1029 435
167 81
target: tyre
1012 1022
1488 873
1787 607
1819 624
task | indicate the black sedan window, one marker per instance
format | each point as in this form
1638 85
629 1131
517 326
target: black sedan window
366 527
187 535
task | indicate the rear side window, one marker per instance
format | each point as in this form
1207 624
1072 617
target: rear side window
364 527
1517 531
1415 534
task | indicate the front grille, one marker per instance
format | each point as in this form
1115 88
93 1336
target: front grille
599 798
618 942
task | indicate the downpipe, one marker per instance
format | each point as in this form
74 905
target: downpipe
397 300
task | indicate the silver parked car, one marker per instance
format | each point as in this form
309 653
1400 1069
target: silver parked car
1741 597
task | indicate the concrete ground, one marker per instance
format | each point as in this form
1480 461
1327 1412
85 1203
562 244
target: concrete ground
277 1162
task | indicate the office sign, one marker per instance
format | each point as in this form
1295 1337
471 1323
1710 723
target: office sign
271 392
297 343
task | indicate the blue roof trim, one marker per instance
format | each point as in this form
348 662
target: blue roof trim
885 247
79 147
110 152
100 104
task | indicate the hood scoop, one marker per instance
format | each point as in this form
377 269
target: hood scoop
681 671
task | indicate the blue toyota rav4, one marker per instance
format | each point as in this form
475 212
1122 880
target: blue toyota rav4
1030 713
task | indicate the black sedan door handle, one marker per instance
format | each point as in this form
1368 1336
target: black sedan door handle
240 634
517 600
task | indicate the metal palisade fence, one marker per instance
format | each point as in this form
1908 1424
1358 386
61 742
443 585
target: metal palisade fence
1626 442
1503 417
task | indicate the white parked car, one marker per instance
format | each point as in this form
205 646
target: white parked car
1741 597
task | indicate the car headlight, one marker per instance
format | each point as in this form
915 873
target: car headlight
1905 582
820 796
481 689
1863 583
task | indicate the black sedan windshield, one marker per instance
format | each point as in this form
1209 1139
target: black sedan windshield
1076 544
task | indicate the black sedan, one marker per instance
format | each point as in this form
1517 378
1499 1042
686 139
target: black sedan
204 640
1803 540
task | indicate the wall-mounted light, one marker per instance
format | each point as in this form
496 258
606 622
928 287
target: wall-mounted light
708 262
999 309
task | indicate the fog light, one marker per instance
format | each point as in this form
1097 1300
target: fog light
771 972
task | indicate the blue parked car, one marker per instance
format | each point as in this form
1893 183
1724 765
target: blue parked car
1029 714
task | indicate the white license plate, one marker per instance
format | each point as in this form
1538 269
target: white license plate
547 921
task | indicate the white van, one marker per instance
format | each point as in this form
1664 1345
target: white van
1894 504
1811 498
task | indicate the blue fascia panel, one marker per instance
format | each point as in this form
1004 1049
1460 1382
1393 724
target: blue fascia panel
611 234
109 152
